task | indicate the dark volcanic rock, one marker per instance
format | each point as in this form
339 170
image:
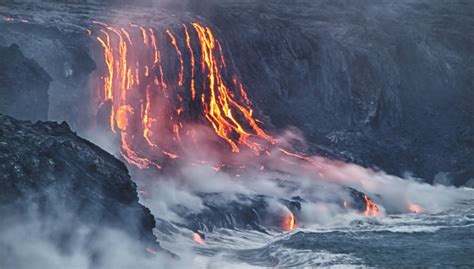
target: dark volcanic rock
23 86
47 166
252 211
245 212
382 83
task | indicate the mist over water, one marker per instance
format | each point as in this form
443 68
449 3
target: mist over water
327 234
410 210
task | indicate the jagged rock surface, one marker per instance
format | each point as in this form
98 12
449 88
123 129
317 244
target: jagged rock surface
47 165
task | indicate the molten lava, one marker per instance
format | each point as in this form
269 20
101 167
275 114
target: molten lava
371 208
221 108
134 84
414 208
165 109
198 239
289 222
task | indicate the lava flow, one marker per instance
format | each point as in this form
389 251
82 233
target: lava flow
169 95
289 222
198 239
371 208
141 87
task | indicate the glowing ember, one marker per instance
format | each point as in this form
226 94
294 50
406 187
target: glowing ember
198 239
123 116
289 222
371 208
414 208
170 155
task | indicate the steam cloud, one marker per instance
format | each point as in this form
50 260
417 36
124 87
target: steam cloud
28 243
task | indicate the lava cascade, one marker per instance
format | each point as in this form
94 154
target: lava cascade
153 103
289 223
136 89
371 208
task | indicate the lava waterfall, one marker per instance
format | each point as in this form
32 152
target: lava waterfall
153 101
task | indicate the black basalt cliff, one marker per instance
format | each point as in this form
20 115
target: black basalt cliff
386 84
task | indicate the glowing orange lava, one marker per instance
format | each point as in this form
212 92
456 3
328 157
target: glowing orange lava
289 222
191 52
180 56
221 108
155 117
198 239
134 84
414 208
371 208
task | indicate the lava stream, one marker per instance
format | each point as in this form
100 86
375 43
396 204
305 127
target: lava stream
135 87
162 113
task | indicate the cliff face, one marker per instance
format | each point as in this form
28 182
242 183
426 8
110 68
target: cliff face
49 169
23 85
386 85
383 84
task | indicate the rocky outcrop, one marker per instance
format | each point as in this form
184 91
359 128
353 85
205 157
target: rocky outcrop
48 168
23 86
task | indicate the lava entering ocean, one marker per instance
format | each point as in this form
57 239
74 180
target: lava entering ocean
289 223
168 109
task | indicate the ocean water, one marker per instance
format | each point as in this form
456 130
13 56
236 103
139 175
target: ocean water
427 240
